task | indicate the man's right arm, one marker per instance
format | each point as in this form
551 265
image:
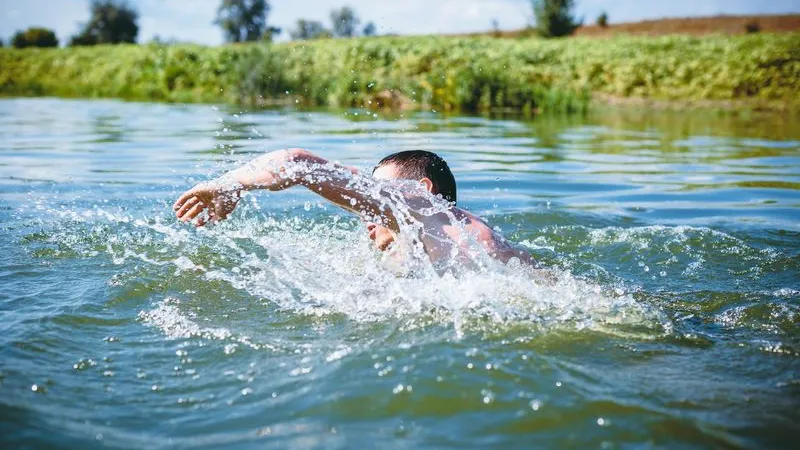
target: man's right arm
280 170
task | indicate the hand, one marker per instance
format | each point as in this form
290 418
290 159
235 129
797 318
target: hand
217 199
381 236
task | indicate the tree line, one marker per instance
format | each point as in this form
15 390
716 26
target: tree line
116 21
110 22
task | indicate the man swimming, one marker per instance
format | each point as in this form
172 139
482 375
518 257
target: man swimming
423 207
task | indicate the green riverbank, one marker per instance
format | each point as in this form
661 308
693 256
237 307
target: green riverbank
446 73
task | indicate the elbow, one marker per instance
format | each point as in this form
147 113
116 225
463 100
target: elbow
299 154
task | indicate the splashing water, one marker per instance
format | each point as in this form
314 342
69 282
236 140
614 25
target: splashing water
325 265
666 311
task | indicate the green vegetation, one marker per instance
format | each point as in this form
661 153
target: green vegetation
345 22
444 73
110 22
309 29
34 37
370 29
245 20
602 20
554 18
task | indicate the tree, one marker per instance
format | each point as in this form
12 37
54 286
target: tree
111 22
602 20
34 37
554 17
309 29
345 22
243 20
370 29
496 28
271 33
2 43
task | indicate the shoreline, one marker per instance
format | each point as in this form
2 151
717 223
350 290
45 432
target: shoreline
473 75
596 104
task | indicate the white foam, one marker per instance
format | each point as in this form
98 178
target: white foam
175 324
321 266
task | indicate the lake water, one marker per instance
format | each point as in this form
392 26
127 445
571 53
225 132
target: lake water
675 320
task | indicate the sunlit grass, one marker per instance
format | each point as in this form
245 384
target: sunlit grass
445 73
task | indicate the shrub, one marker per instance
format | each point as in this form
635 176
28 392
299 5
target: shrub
35 37
111 22
442 73
554 17
602 20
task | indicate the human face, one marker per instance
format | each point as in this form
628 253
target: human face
386 172
382 236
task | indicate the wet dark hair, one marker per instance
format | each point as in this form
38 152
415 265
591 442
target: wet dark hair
418 164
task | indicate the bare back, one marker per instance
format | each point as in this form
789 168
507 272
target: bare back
443 238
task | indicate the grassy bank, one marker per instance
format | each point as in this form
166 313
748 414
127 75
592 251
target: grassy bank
446 73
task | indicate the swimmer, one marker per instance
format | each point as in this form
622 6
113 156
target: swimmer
444 230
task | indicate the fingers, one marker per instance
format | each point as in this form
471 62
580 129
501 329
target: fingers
383 244
197 200
213 217
186 206
182 199
193 212
200 221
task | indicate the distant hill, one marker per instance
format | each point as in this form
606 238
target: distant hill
696 26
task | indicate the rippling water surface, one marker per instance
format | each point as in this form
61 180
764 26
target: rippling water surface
673 320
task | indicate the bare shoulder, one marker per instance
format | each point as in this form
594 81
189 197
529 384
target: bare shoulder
495 243
478 227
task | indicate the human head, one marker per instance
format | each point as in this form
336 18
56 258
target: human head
429 168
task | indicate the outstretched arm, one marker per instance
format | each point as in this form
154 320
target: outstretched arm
279 170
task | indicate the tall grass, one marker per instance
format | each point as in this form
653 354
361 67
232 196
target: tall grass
447 73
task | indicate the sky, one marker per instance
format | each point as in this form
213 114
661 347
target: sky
192 20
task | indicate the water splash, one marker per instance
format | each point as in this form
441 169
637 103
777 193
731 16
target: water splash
317 264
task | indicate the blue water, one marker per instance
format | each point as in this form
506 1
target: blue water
675 239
